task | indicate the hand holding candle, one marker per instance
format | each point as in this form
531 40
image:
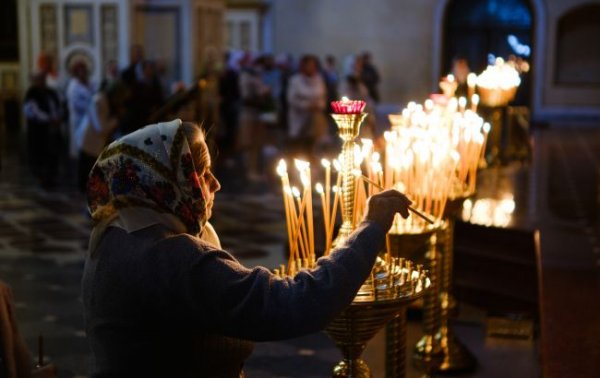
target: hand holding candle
357 173
382 207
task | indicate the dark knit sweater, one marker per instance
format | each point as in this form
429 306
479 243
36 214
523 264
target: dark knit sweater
164 305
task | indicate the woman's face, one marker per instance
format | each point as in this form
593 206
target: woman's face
309 67
210 184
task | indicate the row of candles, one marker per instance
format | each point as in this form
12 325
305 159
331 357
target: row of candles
431 153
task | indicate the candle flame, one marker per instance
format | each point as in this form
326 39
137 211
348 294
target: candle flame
295 192
325 163
337 165
281 168
319 188
429 104
357 172
471 79
358 155
475 99
486 127
462 102
301 165
376 167
345 99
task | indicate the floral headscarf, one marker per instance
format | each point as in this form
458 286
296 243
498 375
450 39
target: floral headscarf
147 177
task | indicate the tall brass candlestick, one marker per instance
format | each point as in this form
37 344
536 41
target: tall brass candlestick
348 127
455 355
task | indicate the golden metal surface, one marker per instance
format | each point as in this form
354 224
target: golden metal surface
391 287
348 128
428 352
393 282
455 356
407 246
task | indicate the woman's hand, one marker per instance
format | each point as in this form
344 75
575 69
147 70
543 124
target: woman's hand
382 207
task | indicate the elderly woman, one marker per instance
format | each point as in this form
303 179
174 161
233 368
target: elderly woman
162 299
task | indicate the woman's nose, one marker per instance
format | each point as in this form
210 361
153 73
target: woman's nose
215 185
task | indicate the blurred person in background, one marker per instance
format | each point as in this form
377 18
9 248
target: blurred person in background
285 64
331 77
79 96
229 106
256 99
306 95
146 97
461 70
43 116
353 87
370 76
100 122
45 63
111 74
136 55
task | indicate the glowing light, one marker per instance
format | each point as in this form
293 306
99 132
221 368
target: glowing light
301 165
281 168
295 192
517 46
337 165
500 75
471 79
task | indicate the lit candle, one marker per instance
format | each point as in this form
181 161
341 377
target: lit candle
462 104
327 165
474 102
471 82
282 172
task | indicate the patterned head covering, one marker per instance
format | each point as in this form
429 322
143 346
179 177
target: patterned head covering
147 177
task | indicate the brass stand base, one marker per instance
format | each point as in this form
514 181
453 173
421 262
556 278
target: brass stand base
456 357
351 369
395 346
428 354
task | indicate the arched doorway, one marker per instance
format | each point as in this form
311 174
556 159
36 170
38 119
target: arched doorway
473 29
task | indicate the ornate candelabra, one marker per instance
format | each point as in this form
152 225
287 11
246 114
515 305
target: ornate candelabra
455 356
412 246
392 286
497 87
348 127
393 283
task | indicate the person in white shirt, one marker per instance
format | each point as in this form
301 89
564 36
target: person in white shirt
306 95
79 95
97 126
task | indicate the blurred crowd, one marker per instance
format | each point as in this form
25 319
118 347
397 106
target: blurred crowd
254 108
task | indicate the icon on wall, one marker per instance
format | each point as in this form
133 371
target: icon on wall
79 24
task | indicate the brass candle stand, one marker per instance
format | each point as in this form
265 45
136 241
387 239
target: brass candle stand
390 288
348 127
413 246
393 282
456 357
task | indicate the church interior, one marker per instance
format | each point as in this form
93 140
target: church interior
486 112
